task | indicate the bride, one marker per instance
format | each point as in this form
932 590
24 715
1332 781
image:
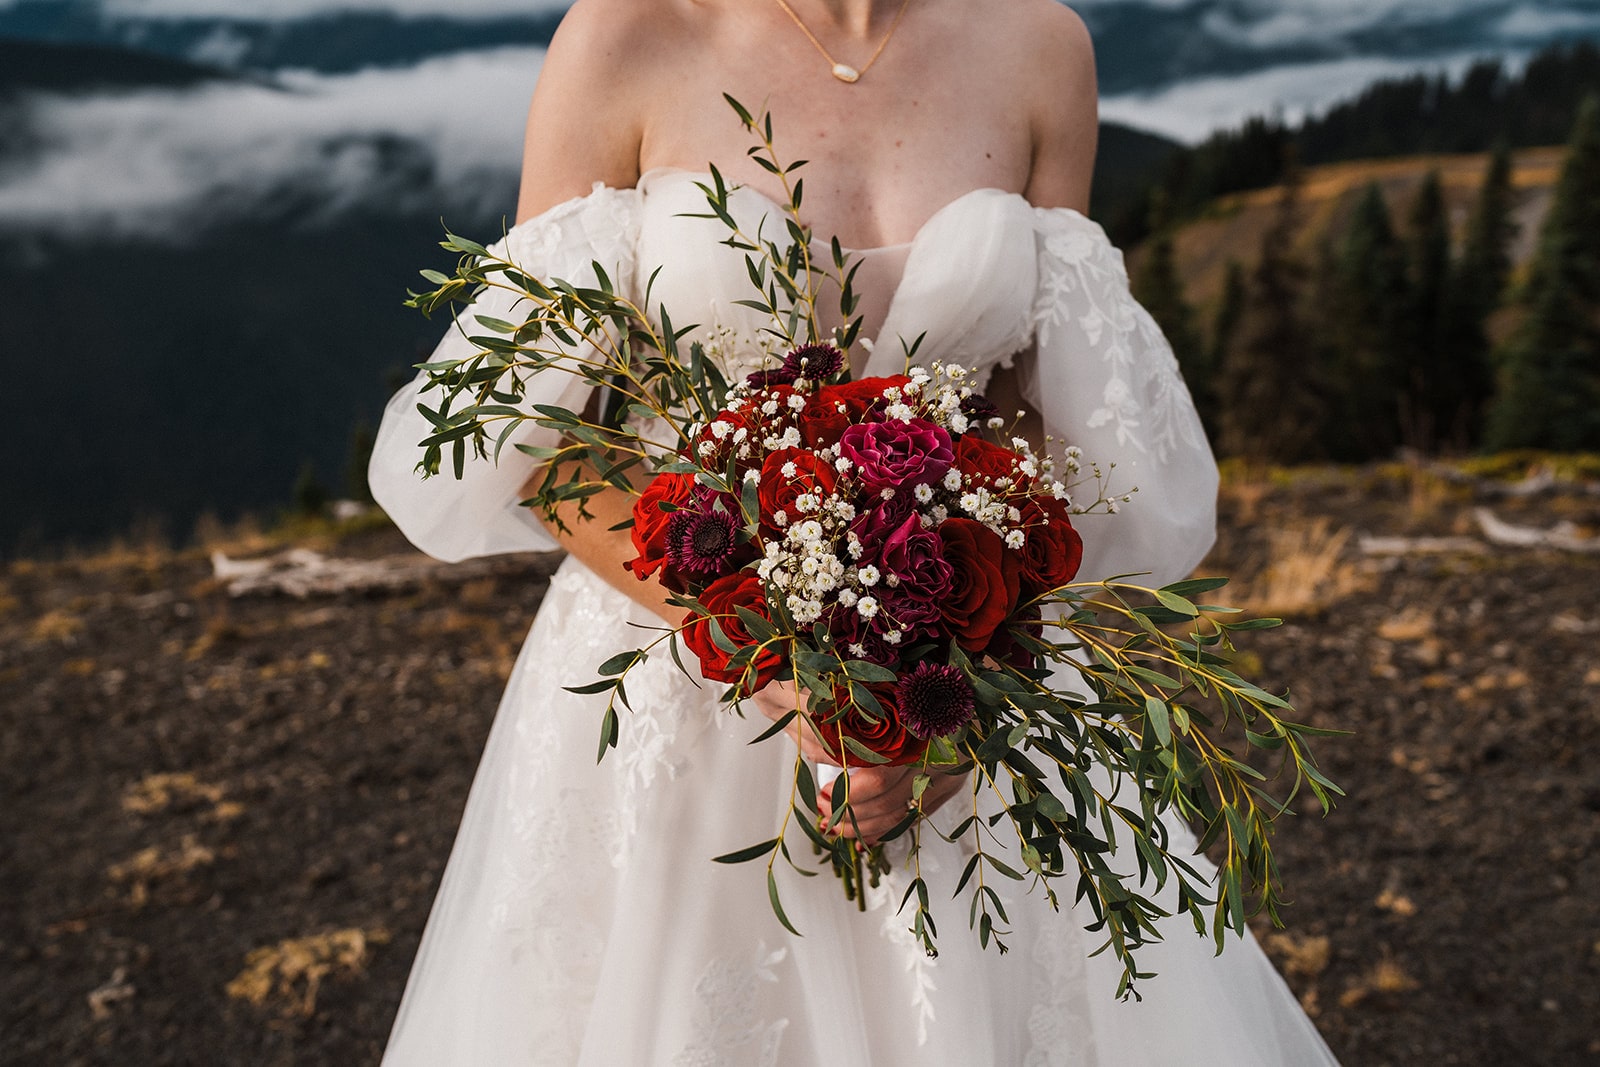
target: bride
580 920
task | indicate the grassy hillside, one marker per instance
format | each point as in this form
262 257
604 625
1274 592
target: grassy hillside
1232 227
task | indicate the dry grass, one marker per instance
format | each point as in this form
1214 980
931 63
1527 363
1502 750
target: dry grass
159 792
1300 957
1386 977
155 864
59 625
292 972
1304 574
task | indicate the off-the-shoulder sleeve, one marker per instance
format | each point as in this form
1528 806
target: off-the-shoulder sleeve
1105 379
479 514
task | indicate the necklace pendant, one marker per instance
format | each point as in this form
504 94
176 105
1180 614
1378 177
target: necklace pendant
846 73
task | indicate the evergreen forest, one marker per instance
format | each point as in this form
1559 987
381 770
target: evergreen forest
1405 322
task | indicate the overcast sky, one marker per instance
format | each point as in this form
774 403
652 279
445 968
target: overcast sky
144 162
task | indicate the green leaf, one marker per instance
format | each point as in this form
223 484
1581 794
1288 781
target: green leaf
1155 710
1195 586
777 905
610 729
777 727
745 855
863 751
1174 602
604 685
622 661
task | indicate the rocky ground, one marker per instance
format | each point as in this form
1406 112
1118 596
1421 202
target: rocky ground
222 817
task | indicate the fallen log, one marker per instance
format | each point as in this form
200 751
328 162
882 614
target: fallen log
302 573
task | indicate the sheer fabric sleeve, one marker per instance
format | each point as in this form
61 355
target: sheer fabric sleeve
1105 380
479 514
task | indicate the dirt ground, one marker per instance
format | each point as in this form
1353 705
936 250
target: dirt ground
222 819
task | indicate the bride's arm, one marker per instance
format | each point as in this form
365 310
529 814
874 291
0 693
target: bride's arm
586 124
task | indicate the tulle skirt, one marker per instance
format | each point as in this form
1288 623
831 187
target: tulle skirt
582 921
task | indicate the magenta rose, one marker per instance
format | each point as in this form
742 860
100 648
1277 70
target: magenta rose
898 455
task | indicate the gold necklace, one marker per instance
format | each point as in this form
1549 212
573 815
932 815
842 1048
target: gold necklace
844 71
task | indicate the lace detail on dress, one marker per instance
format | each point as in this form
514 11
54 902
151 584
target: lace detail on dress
1060 1030
567 240
897 931
1083 285
726 1030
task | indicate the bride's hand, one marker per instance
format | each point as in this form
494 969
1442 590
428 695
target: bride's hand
881 796
779 699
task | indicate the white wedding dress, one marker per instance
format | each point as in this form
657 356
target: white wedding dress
581 919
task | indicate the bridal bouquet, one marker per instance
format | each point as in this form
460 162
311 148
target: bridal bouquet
878 543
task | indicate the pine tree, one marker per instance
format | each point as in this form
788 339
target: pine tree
1477 288
1157 286
1431 393
1224 331
1267 388
1364 327
1549 373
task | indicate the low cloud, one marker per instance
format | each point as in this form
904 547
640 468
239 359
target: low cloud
443 135
1189 112
1539 24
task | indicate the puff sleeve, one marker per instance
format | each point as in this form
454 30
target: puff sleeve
479 514
1105 379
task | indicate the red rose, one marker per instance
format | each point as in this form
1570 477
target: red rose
721 597
987 586
887 737
860 396
650 521
977 458
822 423
1005 648
1053 551
779 491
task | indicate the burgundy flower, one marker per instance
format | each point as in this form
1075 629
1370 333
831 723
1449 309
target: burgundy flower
856 638
913 562
815 363
765 379
898 455
979 409
702 542
935 701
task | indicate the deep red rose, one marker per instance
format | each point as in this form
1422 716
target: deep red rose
1005 648
887 737
650 521
779 491
988 463
721 597
987 584
862 395
1053 551
822 423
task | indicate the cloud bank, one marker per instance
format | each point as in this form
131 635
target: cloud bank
1191 111
153 163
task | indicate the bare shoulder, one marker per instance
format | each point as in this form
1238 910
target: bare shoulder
1057 80
586 120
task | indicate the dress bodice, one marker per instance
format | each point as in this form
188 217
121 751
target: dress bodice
964 283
